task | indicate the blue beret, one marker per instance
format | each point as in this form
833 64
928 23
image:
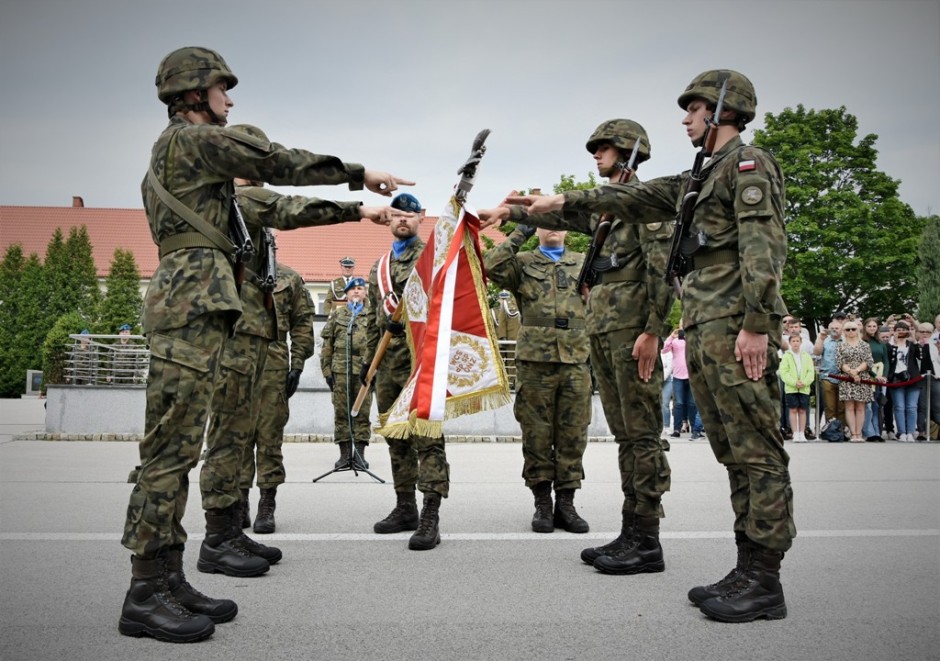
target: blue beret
125 327
406 202
85 331
355 282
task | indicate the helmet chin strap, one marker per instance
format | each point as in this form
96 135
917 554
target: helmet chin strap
200 106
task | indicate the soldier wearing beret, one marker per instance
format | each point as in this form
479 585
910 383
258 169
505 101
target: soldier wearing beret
190 309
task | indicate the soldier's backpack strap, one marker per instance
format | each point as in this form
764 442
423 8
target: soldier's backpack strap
211 237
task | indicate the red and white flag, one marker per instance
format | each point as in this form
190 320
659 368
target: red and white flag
457 369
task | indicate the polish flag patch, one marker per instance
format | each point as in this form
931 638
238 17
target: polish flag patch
746 166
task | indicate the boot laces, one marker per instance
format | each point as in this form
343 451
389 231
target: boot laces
166 598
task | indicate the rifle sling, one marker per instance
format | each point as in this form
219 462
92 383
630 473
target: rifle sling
210 234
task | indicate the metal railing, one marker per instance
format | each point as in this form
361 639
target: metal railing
101 360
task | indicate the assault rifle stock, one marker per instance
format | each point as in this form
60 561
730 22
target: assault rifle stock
588 276
244 248
679 263
269 268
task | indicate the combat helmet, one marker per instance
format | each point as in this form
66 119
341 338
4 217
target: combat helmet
739 94
191 68
622 134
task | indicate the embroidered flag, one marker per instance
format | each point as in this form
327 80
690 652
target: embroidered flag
746 166
456 365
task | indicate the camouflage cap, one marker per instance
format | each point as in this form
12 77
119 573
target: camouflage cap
406 202
251 130
739 94
347 262
191 68
355 282
622 134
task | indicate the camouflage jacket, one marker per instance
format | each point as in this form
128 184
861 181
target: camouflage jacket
635 295
196 164
262 208
397 354
740 209
294 312
548 301
335 296
335 334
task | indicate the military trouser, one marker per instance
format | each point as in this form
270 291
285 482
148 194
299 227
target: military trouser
346 427
235 407
416 461
184 364
633 409
741 420
553 407
266 443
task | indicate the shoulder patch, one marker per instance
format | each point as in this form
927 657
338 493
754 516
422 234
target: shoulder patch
746 166
652 227
752 195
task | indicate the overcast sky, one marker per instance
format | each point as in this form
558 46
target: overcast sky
405 85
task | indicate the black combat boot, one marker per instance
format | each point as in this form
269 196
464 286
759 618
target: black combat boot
344 455
264 521
361 454
642 555
427 536
150 610
589 555
270 553
217 610
246 509
703 592
566 516
403 517
756 593
542 519
220 552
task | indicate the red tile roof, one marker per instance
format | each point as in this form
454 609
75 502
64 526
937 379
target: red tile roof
313 252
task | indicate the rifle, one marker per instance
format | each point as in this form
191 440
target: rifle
244 248
679 263
588 276
268 274
468 173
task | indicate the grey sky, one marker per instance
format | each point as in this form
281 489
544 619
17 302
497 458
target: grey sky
404 85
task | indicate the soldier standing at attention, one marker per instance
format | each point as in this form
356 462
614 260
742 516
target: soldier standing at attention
627 311
732 309
342 355
293 312
336 296
417 461
553 392
190 308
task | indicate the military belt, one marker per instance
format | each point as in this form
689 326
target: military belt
622 275
185 240
563 323
714 258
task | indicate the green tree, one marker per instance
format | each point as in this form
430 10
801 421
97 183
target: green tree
122 302
11 275
23 319
928 271
55 348
852 241
576 240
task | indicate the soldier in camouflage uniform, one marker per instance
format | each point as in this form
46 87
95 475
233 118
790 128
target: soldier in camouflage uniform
416 461
190 308
342 355
627 311
293 312
553 395
336 294
731 311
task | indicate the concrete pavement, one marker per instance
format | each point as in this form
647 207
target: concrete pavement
862 581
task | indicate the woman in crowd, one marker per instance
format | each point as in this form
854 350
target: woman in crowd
904 364
853 359
871 429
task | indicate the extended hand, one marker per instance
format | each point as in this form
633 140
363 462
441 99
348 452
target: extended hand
384 183
645 352
751 349
538 203
383 215
490 217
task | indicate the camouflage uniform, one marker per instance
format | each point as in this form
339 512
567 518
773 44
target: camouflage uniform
418 460
192 304
336 294
553 396
734 284
342 356
293 312
624 303
507 320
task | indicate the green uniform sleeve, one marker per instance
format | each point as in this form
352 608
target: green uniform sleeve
501 264
326 349
301 325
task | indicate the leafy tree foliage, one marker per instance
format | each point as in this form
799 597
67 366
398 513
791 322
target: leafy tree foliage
22 319
122 302
852 241
55 348
928 271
